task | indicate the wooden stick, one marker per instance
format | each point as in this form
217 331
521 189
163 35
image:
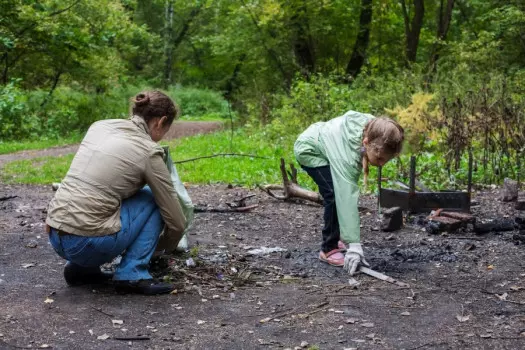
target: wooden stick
219 155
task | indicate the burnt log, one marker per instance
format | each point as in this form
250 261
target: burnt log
440 224
497 225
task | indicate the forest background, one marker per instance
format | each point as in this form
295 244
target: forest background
452 72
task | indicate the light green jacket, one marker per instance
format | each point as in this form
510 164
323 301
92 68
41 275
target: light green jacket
338 143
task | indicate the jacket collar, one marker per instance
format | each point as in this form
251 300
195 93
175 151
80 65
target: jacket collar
141 123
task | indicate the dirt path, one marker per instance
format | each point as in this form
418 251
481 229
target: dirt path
178 129
464 293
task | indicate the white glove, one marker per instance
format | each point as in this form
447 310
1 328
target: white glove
353 257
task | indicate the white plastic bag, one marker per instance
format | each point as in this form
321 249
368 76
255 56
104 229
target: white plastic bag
184 199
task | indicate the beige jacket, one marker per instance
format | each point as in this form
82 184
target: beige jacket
116 159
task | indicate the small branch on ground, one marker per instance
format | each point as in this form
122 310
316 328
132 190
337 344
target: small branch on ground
7 198
102 312
220 155
131 338
225 210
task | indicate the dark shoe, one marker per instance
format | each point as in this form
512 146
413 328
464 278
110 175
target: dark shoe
146 287
77 275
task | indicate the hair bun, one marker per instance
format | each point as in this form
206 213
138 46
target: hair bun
141 99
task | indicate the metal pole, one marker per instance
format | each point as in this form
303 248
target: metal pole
469 179
379 170
412 183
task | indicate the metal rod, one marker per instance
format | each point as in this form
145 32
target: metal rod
412 183
379 176
519 153
469 179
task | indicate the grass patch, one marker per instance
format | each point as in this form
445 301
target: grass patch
15 146
44 170
234 170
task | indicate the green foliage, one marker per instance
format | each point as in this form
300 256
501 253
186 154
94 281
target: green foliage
197 103
12 111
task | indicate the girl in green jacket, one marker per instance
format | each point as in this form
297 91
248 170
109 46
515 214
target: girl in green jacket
333 154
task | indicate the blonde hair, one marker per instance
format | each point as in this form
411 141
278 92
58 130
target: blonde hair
385 136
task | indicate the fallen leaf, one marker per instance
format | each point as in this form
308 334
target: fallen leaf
340 327
502 296
485 335
516 288
264 320
462 318
103 336
367 325
117 322
351 320
91 332
304 344
201 322
45 346
26 266
490 267
406 313
48 301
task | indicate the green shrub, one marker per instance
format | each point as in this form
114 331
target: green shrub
196 102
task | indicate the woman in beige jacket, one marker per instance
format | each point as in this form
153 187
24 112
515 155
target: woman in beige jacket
117 198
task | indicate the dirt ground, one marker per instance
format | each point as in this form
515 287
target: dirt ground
466 291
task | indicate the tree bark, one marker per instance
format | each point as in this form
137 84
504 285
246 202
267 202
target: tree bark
363 38
412 28
168 43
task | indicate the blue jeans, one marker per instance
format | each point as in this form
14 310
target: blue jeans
136 241
323 178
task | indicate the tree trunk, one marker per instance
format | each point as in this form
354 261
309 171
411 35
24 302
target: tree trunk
363 38
56 79
231 83
413 28
168 43
303 43
5 58
443 25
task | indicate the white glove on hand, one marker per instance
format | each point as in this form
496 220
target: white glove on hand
353 257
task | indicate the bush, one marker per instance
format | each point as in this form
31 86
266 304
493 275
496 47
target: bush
15 119
196 103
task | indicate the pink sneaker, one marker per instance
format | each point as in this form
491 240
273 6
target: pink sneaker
341 246
333 257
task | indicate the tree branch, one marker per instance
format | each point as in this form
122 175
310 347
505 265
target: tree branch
220 155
